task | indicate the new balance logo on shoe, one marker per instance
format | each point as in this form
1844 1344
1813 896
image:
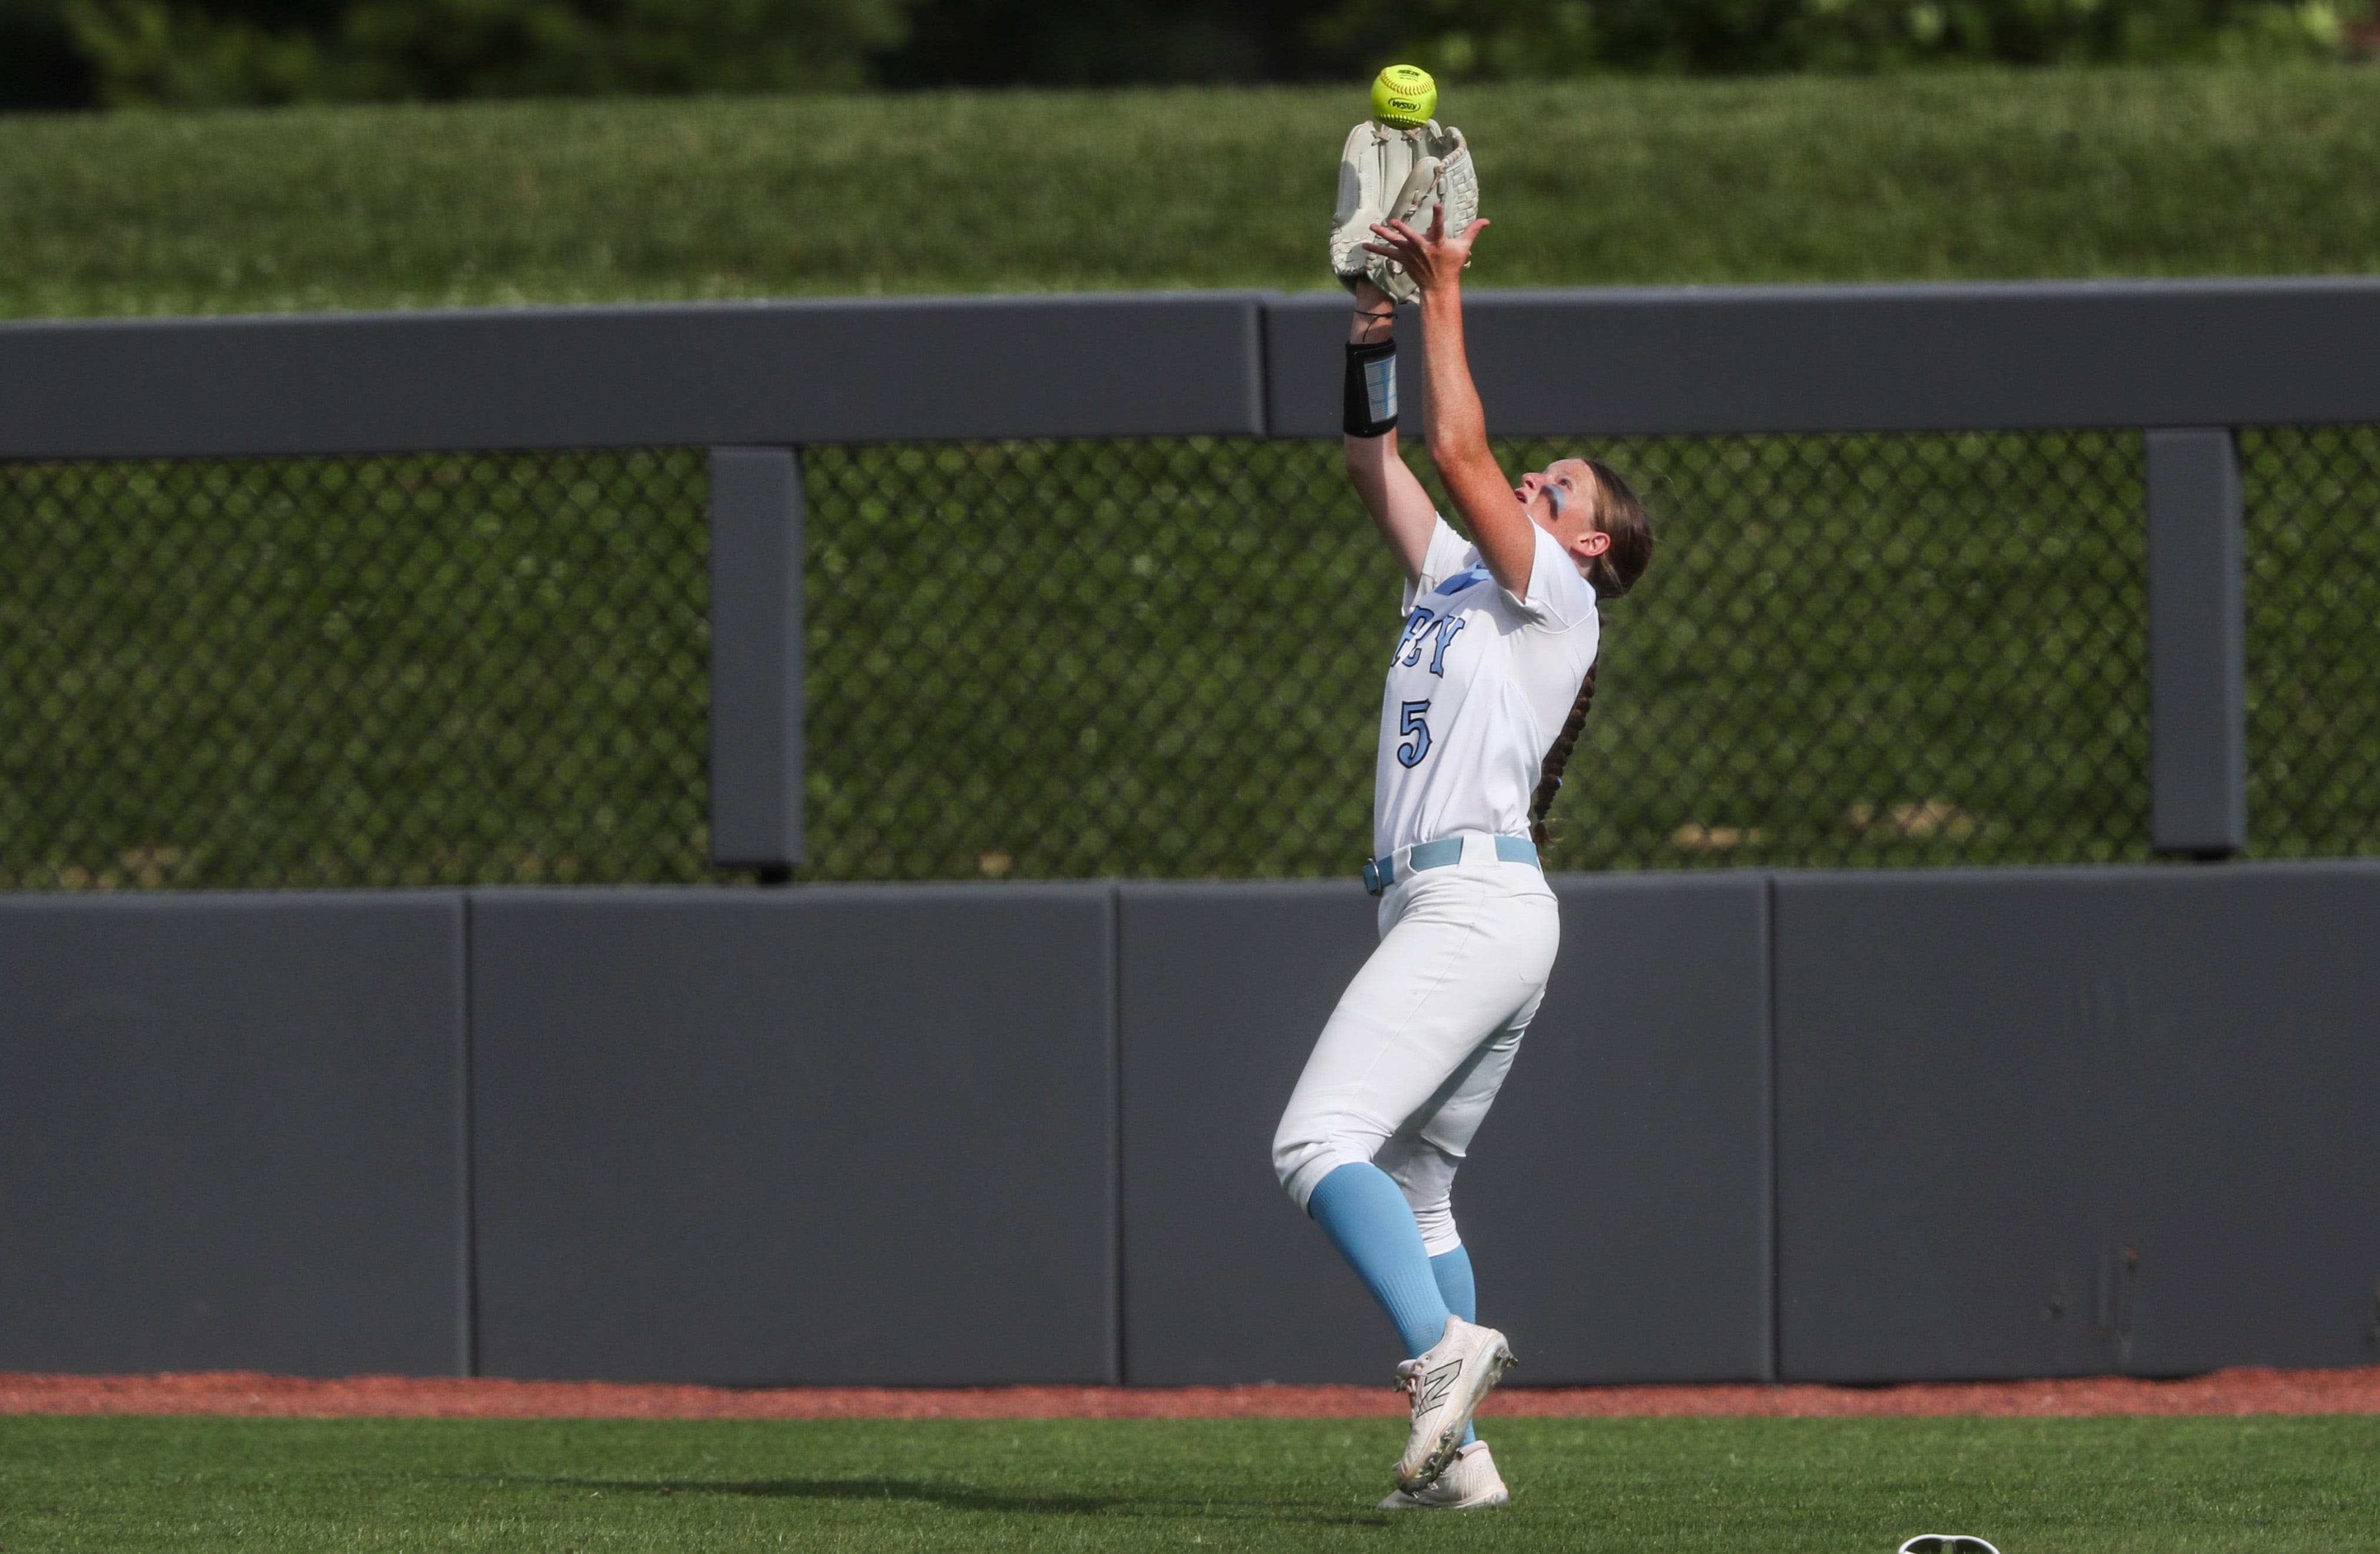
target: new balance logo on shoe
1435 1385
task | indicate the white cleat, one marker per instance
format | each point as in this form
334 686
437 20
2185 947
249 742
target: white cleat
1447 1384
1469 1483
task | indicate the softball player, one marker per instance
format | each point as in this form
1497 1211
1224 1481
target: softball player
1488 687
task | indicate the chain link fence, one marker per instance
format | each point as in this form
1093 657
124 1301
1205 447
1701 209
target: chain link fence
353 671
1049 660
1136 659
2313 550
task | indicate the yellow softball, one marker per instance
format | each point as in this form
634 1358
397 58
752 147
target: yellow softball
1403 97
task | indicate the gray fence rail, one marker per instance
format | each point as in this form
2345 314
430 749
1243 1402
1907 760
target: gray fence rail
1665 362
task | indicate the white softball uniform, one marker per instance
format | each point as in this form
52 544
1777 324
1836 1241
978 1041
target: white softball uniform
1478 687
1411 1059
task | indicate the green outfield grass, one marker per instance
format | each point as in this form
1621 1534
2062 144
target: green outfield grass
2178 1485
1969 174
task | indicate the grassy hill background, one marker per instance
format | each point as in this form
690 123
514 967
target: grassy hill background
1971 174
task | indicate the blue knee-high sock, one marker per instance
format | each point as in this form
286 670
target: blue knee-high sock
1455 1285
1461 1291
1367 1218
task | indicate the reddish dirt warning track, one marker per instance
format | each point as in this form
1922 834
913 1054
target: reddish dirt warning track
2229 1391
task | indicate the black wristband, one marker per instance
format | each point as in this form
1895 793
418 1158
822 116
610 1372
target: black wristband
1370 404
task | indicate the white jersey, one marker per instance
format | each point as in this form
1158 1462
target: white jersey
1480 684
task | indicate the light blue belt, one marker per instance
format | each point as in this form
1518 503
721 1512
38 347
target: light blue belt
1381 873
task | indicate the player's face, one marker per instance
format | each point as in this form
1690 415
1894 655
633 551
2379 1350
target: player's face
1559 498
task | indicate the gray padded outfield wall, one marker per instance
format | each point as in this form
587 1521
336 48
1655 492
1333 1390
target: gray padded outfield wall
2037 1123
832 1135
1222 989
1618 1201
231 1134
2024 1122
1620 1196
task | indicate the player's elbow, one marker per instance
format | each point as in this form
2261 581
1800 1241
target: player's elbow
1464 455
1456 426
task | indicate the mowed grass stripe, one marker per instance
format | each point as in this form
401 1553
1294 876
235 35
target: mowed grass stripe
1964 174
2174 1485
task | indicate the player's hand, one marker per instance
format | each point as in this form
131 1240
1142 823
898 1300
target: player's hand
1433 259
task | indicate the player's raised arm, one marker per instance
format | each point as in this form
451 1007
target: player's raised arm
1391 492
1457 427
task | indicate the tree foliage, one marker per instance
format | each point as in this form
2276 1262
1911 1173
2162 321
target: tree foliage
73 52
174 52
1520 39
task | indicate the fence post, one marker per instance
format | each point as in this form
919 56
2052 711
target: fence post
2198 719
756 661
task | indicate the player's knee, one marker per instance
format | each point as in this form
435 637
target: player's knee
1292 1147
1301 1166
1303 1154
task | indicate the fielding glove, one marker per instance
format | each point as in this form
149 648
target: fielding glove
1397 175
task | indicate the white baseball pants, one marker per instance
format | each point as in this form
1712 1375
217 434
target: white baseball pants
1414 1055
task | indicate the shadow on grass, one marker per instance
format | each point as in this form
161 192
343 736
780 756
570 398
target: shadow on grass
960 1497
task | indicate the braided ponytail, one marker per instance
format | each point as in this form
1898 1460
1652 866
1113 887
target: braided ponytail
1620 514
1549 775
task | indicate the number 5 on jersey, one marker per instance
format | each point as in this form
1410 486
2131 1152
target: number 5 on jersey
1415 722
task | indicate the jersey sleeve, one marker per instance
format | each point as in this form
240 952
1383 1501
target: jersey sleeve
1449 553
1559 598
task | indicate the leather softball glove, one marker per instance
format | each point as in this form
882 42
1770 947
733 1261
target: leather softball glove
1397 175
